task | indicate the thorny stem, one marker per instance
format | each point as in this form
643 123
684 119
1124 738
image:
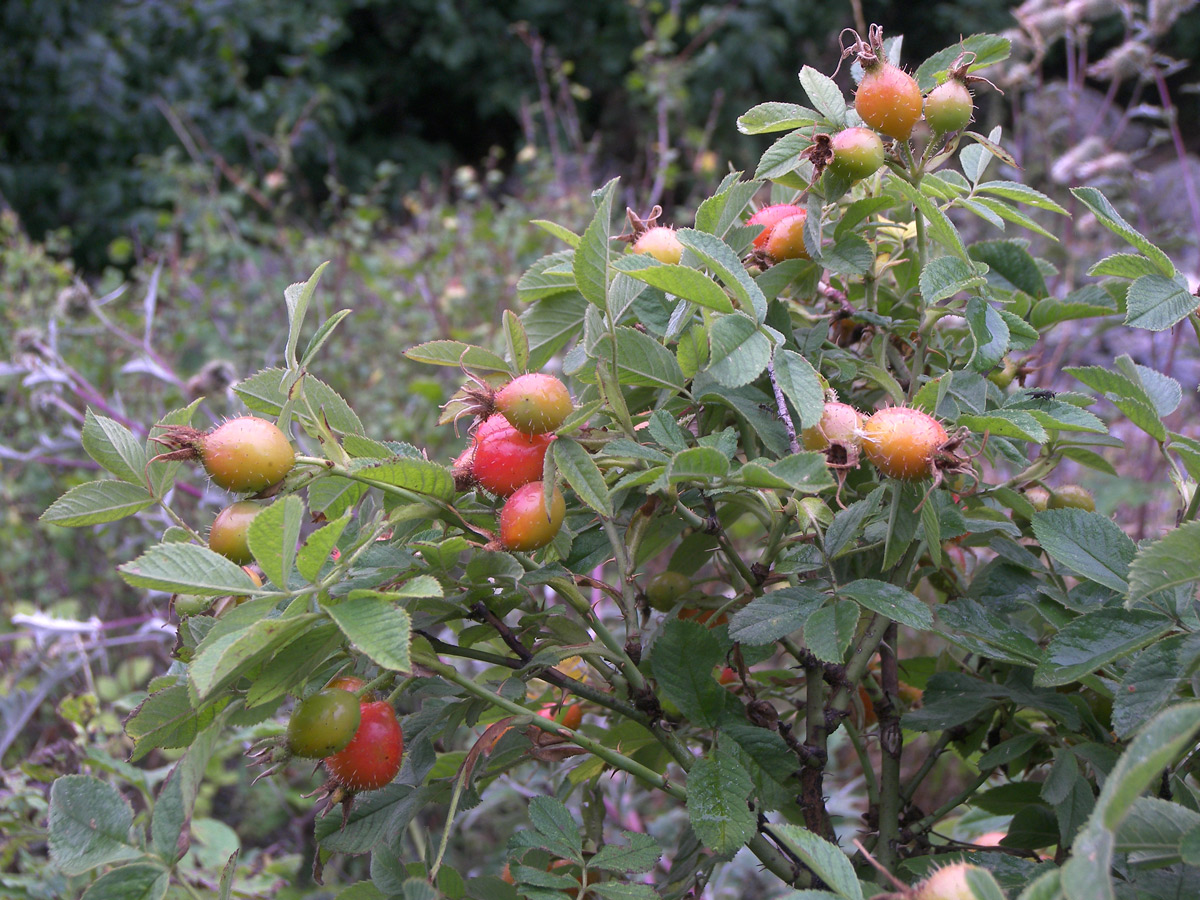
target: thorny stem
926 823
637 681
891 743
781 404
918 365
628 601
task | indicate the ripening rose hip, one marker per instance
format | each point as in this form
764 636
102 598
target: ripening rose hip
246 454
664 590
767 217
504 459
661 243
323 724
839 422
949 107
230 531
524 523
1071 496
372 758
787 238
857 153
949 883
902 442
534 404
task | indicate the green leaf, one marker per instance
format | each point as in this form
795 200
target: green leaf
1010 213
582 474
1169 562
890 601
643 361
273 536
825 95
1088 302
516 341
989 332
417 475
1086 876
640 853
376 626
176 800
187 569
826 860
1154 830
550 276
1021 193
323 334
1156 303
89 824
1124 265
167 720
223 658
1011 261
1092 641
725 264
692 350
297 297
946 276
316 550
592 264
1087 543
139 881
682 281
1007 423
682 662
97 502
768 117
829 631
456 354
264 393
851 255
698 464
720 213
777 614
1107 215
1151 681
552 819
114 447
717 787
799 382
739 351
985 49
940 228
779 161
564 234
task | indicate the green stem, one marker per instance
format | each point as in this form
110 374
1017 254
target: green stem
891 744
612 757
931 758
864 761
637 681
926 823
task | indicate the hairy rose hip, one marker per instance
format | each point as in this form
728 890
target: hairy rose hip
504 458
661 243
246 454
887 98
949 107
534 404
767 217
372 758
787 238
839 422
524 524
229 531
666 588
857 153
901 442
948 883
323 724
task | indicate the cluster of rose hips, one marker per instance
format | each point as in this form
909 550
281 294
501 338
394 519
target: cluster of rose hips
507 452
